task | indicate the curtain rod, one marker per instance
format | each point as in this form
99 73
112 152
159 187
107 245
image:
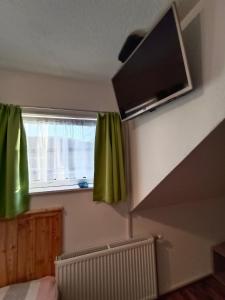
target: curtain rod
61 109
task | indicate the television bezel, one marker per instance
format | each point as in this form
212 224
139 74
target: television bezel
147 105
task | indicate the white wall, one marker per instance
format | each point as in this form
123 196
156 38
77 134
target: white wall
85 223
162 139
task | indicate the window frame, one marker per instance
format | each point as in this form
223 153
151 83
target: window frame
56 114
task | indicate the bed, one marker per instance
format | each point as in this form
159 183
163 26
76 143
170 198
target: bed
40 289
29 245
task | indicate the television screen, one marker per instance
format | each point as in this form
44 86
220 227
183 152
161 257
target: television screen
156 71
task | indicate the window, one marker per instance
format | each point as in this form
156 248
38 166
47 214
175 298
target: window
60 151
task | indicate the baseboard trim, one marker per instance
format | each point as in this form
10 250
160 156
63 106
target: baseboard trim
186 283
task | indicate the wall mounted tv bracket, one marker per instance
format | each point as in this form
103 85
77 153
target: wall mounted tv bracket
131 43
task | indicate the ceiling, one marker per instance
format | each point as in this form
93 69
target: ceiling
73 38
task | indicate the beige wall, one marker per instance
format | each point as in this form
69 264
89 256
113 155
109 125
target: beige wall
188 209
86 223
189 231
29 89
160 140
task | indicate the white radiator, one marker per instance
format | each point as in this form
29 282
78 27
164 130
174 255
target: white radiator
121 271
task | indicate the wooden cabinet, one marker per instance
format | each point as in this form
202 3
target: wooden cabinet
219 262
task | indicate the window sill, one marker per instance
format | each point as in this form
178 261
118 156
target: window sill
60 190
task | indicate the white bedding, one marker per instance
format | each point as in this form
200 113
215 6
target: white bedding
41 289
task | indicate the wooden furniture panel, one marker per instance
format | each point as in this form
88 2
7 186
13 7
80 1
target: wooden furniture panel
11 250
26 249
3 265
29 245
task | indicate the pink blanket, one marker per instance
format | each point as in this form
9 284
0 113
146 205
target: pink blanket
41 289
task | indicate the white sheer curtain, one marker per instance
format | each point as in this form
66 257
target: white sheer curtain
60 151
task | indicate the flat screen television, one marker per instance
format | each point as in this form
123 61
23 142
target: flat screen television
156 72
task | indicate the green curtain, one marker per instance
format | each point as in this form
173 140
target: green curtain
109 174
14 186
